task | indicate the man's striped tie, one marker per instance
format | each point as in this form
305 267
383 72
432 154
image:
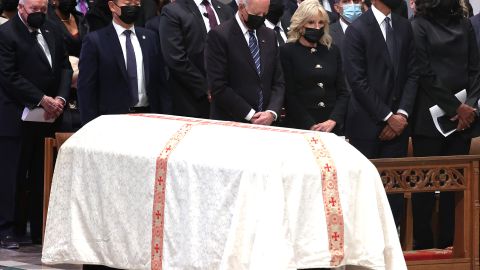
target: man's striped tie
255 51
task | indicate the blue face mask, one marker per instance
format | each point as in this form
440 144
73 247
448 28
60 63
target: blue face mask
351 12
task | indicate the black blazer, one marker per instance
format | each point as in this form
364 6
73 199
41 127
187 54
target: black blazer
476 26
315 86
376 89
449 62
26 75
232 75
337 34
183 35
103 86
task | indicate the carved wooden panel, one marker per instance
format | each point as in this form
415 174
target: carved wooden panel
397 180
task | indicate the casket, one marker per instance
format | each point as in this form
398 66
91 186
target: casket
167 192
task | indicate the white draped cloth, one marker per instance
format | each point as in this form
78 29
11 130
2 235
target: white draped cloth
228 196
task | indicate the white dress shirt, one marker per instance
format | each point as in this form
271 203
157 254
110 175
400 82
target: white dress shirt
380 17
203 11
343 25
142 95
279 24
247 39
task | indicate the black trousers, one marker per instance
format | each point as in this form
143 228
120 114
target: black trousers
30 177
396 148
10 148
423 203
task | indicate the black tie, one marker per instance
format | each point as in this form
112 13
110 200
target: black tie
279 36
131 68
390 39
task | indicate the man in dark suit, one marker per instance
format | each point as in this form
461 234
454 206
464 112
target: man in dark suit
476 26
243 67
278 20
34 73
349 11
184 26
379 60
292 5
121 67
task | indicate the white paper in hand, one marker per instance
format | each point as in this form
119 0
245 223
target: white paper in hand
437 112
35 115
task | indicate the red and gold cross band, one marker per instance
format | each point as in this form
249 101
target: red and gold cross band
159 196
331 198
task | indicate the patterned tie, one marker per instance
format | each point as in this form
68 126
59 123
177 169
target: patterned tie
255 51
211 15
279 36
390 39
131 68
83 7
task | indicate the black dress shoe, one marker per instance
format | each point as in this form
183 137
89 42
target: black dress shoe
9 242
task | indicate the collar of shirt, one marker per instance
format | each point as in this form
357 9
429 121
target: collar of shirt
120 29
30 29
244 28
379 16
199 3
271 25
343 25
326 5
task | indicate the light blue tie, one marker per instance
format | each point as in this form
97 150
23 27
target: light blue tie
255 51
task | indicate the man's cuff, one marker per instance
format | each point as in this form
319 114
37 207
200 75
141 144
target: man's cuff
402 112
274 114
40 102
250 115
64 101
388 116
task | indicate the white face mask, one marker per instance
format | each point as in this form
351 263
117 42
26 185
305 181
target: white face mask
351 12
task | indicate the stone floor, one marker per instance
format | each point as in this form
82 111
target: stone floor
27 257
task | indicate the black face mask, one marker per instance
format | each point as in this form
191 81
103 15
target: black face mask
36 19
129 13
313 35
275 12
9 5
254 21
446 6
67 7
392 4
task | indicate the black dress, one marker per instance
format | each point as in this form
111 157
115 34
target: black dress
73 44
315 86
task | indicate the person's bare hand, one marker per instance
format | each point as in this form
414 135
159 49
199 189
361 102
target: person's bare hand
262 118
326 126
465 115
51 105
387 134
397 123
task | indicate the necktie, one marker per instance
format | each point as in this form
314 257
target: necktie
390 39
211 15
41 45
83 7
279 36
131 68
255 51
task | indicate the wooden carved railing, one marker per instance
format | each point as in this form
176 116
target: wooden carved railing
459 174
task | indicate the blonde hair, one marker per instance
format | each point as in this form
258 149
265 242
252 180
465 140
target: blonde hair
306 10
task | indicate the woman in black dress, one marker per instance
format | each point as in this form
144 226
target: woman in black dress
316 94
448 60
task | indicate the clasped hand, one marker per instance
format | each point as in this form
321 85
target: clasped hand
395 126
53 107
465 116
262 118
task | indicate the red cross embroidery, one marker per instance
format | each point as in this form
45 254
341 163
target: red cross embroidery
332 201
160 180
335 236
314 140
158 214
168 149
157 248
327 167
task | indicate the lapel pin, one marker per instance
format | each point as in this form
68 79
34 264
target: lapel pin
312 50
318 66
143 37
263 41
219 7
46 31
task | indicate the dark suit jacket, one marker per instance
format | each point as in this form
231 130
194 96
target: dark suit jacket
376 89
476 26
232 75
26 75
103 80
449 62
337 34
183 40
